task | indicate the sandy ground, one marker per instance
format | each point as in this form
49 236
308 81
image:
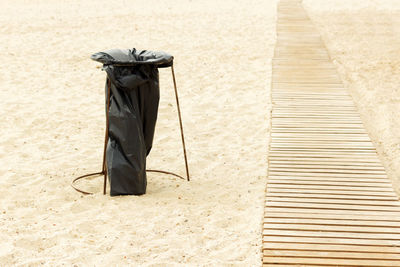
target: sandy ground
363 39
52 127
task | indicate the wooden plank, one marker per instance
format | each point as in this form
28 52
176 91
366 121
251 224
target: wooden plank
365 223
321 130
334 152
331 241
273 164
342 93
335 248
316 124
310 105
331 228
339 255
332 234
346 137
325 160
304 101
317 130
298 113
326 163
330 146
327 191
324 136
290 97
332 262
333 179
299 79
294 87
317 196
333 206
327 168
326 153
327 200
298 214
282 155
342 180
329 153
342 213
297 265
320 139
277 174
312 64
321 108
330 183
307 50
309 88
334 167
298 169
308 141
316 117
330 187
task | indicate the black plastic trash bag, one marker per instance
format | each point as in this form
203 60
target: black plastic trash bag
132 114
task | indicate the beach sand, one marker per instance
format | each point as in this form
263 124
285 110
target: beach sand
53 121
363 39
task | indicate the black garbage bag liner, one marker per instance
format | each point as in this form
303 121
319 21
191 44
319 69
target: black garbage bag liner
134 98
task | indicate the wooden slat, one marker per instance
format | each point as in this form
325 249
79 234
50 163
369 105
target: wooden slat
297 265
331 247
325 182
333 234
340 154
276 174
363 230
331 241
308 195
278 213
329 192
339 255
331 188
342 213
342 180
333 206
325 165
316 169
332 261
329 180
318 143
364 223
319 138
326 200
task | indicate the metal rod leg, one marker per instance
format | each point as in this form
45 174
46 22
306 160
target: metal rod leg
180 123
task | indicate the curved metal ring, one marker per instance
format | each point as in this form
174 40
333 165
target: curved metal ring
81 177
102 173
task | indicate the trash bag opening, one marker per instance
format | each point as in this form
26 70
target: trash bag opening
132 57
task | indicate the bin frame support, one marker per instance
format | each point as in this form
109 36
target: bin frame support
104 165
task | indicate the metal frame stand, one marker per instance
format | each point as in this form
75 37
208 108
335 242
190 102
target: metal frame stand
104 166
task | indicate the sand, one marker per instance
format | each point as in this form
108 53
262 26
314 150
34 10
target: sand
53 121
363 39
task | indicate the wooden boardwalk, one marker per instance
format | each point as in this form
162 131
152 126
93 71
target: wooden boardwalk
328 200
